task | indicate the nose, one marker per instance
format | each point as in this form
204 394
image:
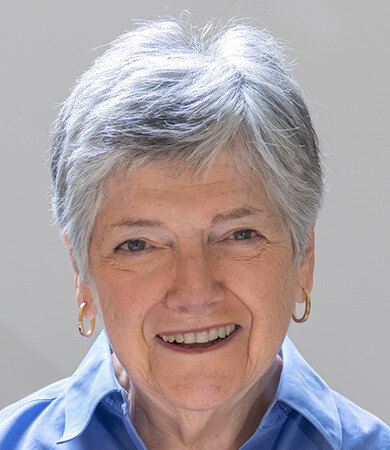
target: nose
194 291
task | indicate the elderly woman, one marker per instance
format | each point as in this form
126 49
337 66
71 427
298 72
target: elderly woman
186 184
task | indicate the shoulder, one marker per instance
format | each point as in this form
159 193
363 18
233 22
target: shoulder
22 422
360 428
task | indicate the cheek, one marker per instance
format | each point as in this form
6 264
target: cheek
264 286
267 292
271 294
124 302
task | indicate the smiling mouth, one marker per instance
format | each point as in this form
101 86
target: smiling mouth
203 339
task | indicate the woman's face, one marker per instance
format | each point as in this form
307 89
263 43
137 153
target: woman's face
169 256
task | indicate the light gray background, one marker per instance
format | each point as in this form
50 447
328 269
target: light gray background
343 66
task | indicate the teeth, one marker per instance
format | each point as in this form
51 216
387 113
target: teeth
179 338
189 338
201 337
213 334
222 332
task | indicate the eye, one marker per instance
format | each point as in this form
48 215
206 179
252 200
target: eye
244 235
135 245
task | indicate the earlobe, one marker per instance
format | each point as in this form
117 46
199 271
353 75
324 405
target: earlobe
84 295
89 310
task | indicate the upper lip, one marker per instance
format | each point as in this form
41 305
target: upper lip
194 330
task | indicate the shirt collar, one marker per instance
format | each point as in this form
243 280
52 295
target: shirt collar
300 387
93 380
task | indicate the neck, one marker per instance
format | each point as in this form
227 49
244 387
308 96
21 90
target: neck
162 425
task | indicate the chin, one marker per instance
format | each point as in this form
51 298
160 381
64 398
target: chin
201 392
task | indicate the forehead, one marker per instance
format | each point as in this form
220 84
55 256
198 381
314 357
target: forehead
171 199
158 194
164 181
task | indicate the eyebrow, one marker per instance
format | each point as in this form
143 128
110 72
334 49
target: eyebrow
243 211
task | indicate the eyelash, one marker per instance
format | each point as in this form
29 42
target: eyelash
257 235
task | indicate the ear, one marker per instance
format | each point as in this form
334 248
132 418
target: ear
83 290
306 267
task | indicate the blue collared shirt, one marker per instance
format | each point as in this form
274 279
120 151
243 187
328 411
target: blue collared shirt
90 410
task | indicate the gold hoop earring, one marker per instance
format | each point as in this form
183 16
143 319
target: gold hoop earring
81 325
307 309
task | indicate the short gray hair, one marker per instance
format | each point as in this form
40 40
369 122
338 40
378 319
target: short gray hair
172 92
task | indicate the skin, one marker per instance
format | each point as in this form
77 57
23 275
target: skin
191 274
